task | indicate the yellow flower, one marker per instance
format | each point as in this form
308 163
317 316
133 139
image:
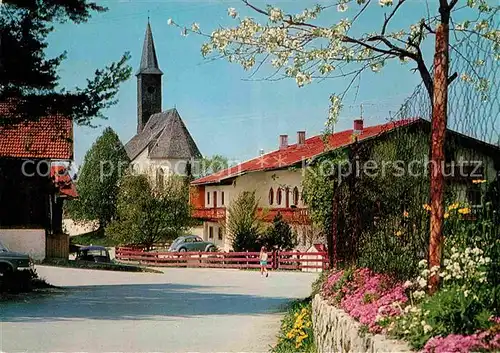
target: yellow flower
406 214
446 215
426 207
465 210
453 206
398 233
478 181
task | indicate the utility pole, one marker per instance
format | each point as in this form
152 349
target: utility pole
438 135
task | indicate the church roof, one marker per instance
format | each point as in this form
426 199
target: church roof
149 61
166 136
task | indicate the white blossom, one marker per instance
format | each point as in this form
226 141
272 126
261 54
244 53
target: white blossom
342 7
195 27
232 12
385 2
170 22
275 14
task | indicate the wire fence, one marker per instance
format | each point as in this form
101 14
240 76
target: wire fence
382 221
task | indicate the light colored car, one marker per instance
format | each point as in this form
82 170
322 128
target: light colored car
11 261
191 243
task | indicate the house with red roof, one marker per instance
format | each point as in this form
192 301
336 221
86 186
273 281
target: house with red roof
34 181
276 177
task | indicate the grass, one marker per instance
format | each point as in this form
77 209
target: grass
296 333
112 266
96 237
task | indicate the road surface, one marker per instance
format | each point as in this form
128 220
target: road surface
182 310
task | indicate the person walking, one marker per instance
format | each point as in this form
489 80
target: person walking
263 262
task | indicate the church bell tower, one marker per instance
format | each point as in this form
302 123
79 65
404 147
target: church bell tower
148 82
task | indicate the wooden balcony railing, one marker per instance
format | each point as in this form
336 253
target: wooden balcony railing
290 215
210 214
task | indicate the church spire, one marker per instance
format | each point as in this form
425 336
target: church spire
149 62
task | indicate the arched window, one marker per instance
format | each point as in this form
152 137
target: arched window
271 196
295 196
279 196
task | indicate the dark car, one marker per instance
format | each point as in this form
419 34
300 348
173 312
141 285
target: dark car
11 261
191 243
93 253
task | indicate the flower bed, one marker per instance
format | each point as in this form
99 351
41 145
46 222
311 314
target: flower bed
433 324
365 295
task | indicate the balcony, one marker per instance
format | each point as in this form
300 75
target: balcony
210 214
290 215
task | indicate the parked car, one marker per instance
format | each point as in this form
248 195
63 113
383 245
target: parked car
191 243
93 253
11 261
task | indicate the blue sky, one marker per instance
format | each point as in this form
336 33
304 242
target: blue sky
225 112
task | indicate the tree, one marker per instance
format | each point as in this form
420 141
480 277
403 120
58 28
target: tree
148 215
242 224
301 47
279 236
30 80
211 165
98 179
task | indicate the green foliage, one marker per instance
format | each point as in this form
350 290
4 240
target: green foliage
449 311
296 334
242 225
393 253
28 77
210 165
279 235
98 179
146 215
318 283
21 282
469 294
97 237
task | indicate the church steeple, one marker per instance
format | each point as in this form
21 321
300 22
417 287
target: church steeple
148 82
149 62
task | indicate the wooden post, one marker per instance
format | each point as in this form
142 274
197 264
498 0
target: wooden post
438 132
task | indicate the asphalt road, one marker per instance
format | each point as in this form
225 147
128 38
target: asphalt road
182 310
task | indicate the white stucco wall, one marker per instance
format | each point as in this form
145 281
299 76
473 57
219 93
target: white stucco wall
142 164
29 241
261 183
73 228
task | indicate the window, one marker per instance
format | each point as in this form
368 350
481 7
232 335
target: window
220 234
271 196
295 196
279 196
208 198
222 198
210 232
474 195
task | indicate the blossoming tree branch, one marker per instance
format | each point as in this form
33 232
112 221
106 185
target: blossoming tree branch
322 42
296 46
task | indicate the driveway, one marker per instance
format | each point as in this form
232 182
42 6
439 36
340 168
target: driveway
182 310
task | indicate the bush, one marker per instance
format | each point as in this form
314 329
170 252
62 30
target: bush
279 236
21 282
243 226
296 332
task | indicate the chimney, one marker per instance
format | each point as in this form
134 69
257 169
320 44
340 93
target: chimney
301 138
283 141
358 127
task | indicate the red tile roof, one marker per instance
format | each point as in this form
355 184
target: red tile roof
49 138
63 181
293 154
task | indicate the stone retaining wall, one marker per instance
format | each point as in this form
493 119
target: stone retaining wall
336 331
